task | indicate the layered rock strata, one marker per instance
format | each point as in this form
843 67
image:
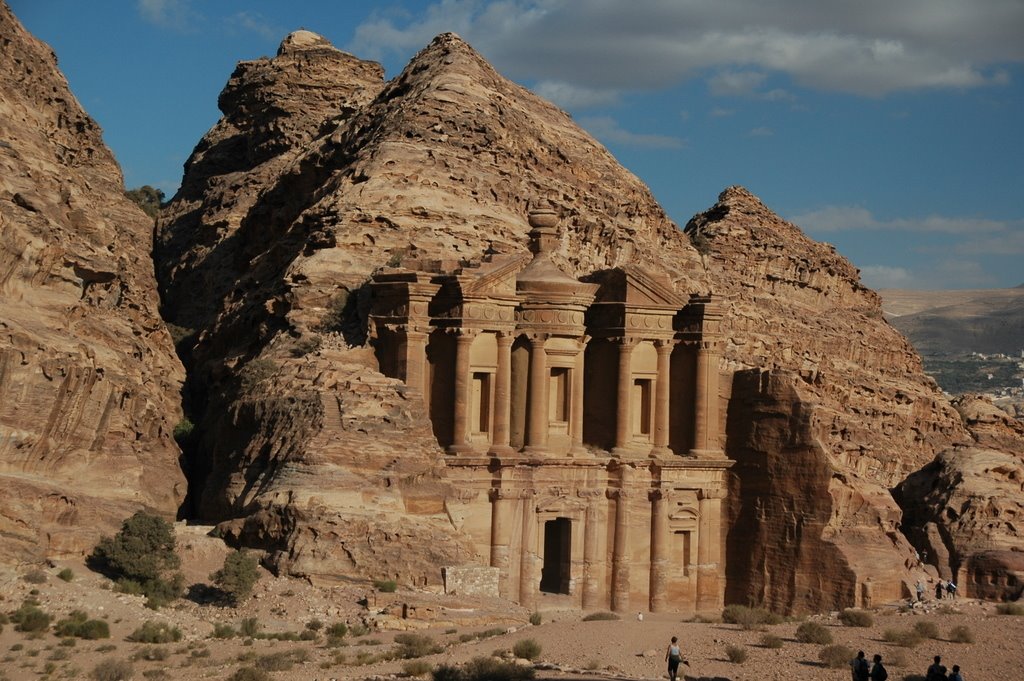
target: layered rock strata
266 258
89 380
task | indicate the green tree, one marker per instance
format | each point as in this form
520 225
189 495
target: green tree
149 199
238 576
141 558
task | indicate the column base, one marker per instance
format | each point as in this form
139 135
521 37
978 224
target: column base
579 451
706 453
627 452
660 453
460 449
501 450
535 450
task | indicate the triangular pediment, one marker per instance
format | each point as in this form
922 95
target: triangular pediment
636 287
497 277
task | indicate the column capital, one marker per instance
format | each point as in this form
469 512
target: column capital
657 494
663 345
626 342
463 334
506 337
590 494
537 338
620 493
711 493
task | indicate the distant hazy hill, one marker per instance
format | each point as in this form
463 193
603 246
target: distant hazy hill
945 323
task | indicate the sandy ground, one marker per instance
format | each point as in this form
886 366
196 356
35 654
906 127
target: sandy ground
571 648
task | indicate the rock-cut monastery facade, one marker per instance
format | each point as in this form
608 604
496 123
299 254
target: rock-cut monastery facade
581 418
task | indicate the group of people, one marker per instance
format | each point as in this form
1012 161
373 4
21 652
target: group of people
861 671
937 672
942 590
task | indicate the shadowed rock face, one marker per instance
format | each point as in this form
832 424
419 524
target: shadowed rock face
89 380
265 255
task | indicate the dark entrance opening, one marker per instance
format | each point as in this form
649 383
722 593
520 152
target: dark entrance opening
556 573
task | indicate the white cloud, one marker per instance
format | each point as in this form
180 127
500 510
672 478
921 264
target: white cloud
735 83
607 129
254 22
844 218
176 14
570 96
871 47
761 132
883 276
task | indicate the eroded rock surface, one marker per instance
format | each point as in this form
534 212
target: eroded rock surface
265 256
89 380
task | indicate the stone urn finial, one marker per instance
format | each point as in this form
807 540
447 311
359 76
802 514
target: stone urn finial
544 233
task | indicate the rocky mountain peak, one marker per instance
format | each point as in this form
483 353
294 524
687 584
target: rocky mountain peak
303 40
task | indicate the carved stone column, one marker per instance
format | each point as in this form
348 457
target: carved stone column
537 395
624 399
502 396
659 551
502 507
591 550
576 415
709 551
661 399
705 408
460 403
528 580
415 361
620 552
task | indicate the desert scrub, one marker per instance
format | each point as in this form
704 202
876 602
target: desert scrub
387 586
1010 608
249 674
749 618
416 645
904 638
771 641
736 654
835 657
961 634
222 630
927 629
536 619
601 616
141 558
812 632
250 627
66 575
112 670
35 577
417 668
78 624
30 619
856 618
483 669
282 661
152 654
528 649
237 576
155 632
257 371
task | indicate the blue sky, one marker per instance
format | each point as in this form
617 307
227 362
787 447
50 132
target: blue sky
893 129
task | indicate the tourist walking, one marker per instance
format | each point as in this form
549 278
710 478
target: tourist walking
920 591
937 671
878 672
859 670
951 589
673 656
938 590
956 675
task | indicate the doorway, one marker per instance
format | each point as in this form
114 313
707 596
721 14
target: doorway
556 574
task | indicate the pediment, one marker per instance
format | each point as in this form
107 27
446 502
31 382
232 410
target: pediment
497 277
636 287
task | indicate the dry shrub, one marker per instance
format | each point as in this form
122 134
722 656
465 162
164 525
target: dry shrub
416 645
856 618
112 670
749 618
927 629
835 657
417 668
536 619
771 641
601 617
895 658
156 632
528 649
1010 608
736 654
961 634
249 674
812 632
904 638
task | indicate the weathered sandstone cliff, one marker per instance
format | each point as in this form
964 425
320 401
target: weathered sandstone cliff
287 208
89 380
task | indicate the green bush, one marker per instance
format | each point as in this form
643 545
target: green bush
601 616
771 641
528 649
112 670
1010 608
416 645
483 669
927 629
417 668
961 634
155 632
749 618
141 558
250 627
736 654
257 371
536 619
152 654
221 630
249 674
78 624
812 632
856 618
281 661
30 619
337 630
238 576
386 585
66 575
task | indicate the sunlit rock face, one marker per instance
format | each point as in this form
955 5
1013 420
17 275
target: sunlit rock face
89 381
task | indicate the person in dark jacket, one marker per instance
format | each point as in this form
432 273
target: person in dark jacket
936 672
878 672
